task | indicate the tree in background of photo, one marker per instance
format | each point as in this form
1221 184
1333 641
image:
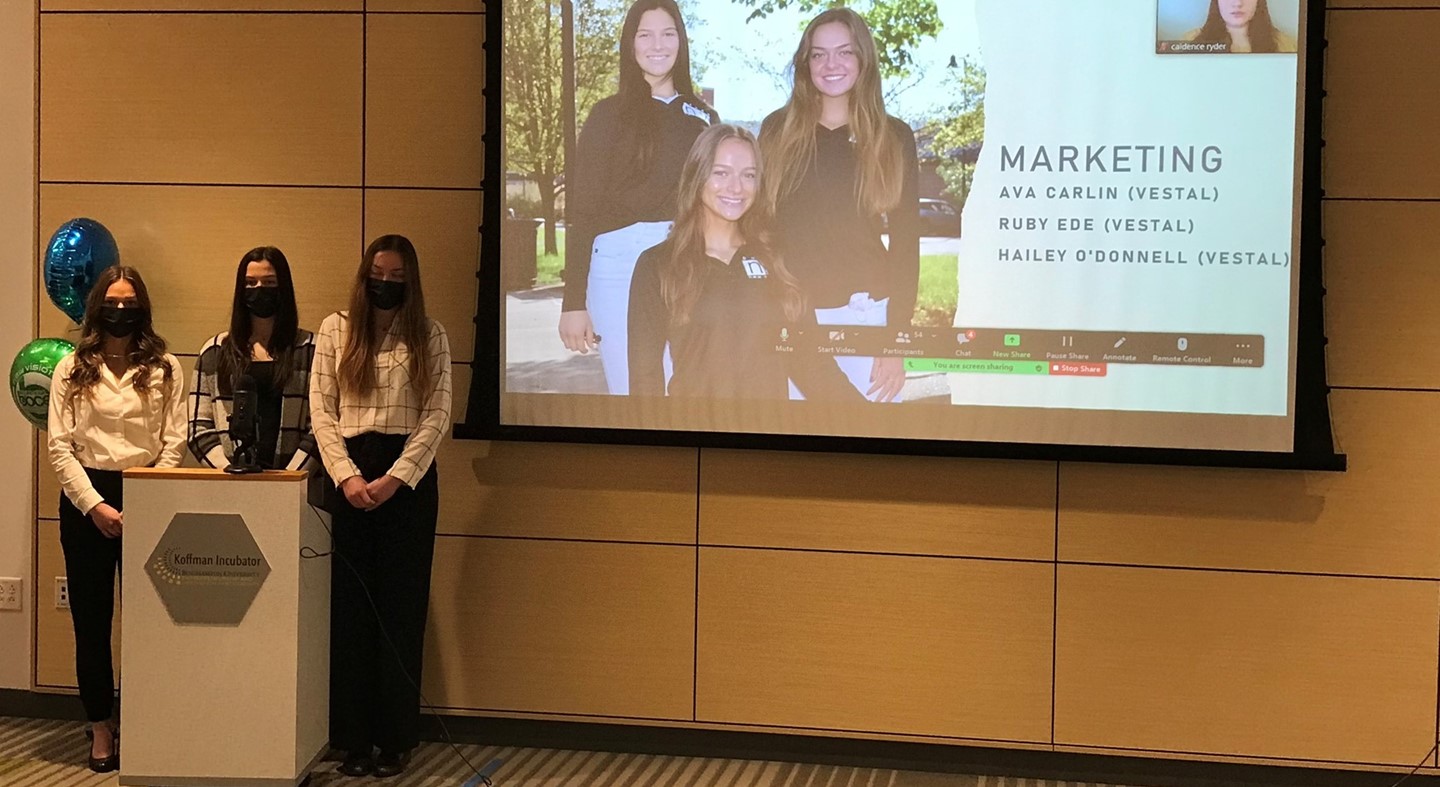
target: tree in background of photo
534 99
956 139
898 25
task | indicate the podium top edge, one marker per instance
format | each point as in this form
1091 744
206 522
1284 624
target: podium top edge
209 474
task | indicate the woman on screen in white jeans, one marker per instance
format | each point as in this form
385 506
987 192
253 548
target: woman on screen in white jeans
719 295
620 190
839 167
1243 24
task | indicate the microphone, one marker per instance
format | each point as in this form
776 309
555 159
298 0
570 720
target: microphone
245 426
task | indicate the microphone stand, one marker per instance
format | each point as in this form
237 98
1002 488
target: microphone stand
245 461
245 428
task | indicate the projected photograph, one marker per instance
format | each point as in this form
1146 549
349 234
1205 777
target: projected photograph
849 249
997 220
1221 27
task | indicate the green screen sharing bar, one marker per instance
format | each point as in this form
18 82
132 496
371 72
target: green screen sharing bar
975 366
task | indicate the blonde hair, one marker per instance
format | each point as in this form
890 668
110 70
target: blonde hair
790 146
683 272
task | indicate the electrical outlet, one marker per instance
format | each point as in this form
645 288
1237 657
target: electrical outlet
10 596
62 592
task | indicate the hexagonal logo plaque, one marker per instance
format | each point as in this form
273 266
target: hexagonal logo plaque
207 568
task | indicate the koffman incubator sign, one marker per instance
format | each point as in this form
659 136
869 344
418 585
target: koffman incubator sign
207 569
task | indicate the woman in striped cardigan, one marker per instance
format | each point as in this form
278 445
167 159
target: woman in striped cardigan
265 343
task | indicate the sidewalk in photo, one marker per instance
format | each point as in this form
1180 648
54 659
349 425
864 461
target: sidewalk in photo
536 361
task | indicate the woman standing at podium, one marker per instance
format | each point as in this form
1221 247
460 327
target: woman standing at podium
117 402
266 343
379 405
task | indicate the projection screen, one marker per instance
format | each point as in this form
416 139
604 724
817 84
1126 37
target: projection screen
1002 223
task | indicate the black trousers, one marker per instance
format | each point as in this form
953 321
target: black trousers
377 639
91 563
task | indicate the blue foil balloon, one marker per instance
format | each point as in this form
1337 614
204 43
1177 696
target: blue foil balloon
74 258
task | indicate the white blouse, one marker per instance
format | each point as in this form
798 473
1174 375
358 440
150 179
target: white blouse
113 427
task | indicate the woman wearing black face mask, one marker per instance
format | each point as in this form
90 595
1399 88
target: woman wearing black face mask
117 402
264 342
380 403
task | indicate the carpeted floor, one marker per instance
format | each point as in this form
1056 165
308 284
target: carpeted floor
42 753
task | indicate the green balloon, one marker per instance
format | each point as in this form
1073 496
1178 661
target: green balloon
30 375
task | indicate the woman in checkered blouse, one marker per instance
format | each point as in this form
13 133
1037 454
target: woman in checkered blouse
379 405
266 343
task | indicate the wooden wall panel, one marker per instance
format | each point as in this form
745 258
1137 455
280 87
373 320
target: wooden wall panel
460 382
445 228
546 490
424 113
54 633
201 5
1375 519
188 241
893 504
1382 106
1323 668
865 643
53 322
557 627
201 98
47 495
54 636
426 6
1380 275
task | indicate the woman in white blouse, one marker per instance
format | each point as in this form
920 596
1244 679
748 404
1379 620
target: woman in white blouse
117 402
379 405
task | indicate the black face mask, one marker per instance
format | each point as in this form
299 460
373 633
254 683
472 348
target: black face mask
263 302
385 295
119 322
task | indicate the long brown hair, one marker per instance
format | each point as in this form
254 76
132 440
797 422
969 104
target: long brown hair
684 271
636 146
147 348
357 361
1261 29
235 351
790 149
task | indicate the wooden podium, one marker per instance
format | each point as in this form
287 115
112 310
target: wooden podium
225 652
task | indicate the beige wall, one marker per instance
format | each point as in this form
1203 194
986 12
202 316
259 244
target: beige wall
1265 616
18 269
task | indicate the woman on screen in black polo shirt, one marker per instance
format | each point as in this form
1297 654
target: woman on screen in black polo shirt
266 343
1244 25
839 170
620 190
718 294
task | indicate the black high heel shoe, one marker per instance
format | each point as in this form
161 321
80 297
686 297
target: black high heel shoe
104 764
